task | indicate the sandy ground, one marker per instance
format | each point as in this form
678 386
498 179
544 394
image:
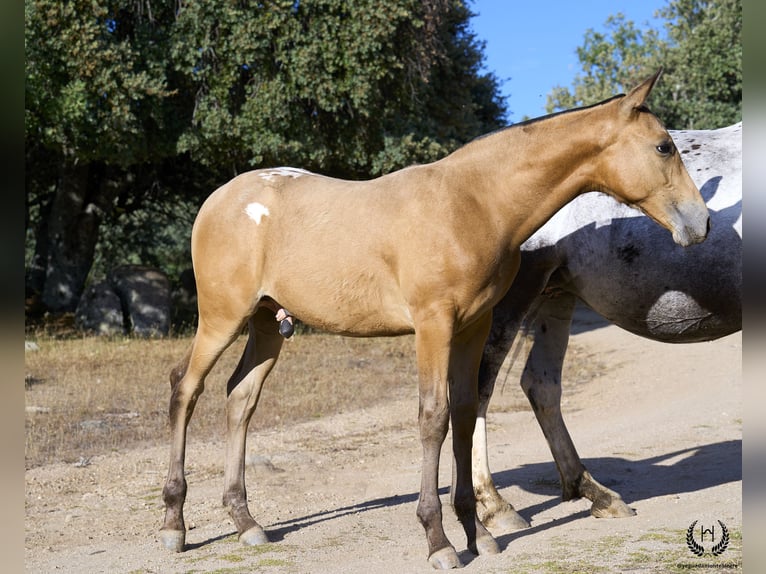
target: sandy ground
659 423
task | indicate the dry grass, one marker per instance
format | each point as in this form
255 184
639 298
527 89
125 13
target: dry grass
87 396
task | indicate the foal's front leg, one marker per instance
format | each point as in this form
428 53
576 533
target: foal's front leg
465 357
446 358
432 341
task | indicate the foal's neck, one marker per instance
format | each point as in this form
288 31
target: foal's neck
525 174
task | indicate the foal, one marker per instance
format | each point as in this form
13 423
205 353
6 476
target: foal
428 249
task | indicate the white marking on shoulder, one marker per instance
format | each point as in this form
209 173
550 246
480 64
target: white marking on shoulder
291 172
256 211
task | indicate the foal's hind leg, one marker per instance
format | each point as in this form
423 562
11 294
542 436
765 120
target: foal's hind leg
541 382
188 382
244 389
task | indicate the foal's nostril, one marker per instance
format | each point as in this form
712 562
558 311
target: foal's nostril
707 229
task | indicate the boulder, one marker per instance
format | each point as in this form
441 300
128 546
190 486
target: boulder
99 311
145 296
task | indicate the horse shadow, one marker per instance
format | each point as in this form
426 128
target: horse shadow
672 473
675 472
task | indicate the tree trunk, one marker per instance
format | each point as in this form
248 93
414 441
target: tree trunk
34 276
71 239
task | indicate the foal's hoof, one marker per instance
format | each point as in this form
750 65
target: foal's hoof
445 559
255 536
173 539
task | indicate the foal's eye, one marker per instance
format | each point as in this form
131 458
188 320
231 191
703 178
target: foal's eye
665 148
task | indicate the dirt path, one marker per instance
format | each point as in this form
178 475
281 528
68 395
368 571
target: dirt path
661 424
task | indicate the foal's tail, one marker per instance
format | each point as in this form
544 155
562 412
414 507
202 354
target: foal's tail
177 373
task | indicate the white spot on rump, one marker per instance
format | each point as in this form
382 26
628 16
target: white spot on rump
256 211
291 172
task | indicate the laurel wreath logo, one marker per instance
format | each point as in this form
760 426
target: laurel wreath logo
719 548
691 543
698 549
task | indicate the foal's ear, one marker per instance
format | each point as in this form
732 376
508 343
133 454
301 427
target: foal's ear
637 96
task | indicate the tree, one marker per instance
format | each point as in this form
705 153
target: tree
702 87
701 55
330 85
134 108
612 62
95 91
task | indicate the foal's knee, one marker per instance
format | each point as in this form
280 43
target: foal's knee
434 421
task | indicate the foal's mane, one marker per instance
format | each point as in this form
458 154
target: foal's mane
547 117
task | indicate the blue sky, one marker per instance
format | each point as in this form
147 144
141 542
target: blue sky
532 44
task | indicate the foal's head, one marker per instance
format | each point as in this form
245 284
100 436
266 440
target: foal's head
642 167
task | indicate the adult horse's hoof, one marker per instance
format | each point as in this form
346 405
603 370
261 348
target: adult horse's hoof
445 559
616 508
173 539
485 545
606 502
504 522
254 536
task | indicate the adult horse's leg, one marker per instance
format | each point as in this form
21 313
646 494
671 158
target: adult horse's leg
244 389
494 511
541 382
187 381
465 357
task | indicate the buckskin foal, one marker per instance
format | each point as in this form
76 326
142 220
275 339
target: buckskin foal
428 249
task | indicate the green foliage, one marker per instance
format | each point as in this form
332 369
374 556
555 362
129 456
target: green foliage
702 85
94 83
329 85
156 234
135 109
700 53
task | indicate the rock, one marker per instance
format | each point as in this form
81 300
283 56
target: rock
99 311
134 299
145 295
92 424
